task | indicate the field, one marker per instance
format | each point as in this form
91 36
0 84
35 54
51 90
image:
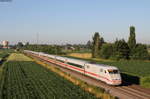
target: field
80 55
134 70
149 50
86 56
24 79
4 53
18 57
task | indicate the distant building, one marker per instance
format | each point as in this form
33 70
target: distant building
5 44
69 48
25 43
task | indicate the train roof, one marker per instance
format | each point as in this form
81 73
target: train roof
81 62
103 65
92 63
77 61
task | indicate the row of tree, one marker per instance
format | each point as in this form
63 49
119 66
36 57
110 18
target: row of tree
120 49
52 49
49 49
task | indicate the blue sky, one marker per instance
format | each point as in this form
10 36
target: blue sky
73 21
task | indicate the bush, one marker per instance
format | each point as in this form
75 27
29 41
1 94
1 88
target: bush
140 52
121 50
145 82
106 51
45 48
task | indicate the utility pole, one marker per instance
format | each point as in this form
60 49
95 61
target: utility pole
37 35
37 38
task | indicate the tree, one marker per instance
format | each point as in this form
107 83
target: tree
106 51
121 50
27 44
96 45
101 42
19 45
140 52
89 44
132 38
50 49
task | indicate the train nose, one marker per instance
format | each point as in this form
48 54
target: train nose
116 79
116 82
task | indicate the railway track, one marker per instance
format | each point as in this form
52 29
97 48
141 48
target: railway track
122 92
134 92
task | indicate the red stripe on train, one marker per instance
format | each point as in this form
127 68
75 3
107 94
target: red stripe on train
63 64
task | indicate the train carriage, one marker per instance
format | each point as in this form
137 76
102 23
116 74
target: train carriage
105 73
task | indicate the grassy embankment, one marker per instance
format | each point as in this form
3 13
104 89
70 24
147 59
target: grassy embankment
135 71
36 81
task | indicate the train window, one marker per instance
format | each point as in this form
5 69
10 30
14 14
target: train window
60 60
113 71
80 66
101 70
65 60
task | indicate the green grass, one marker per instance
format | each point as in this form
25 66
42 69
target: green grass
149 50
137 68
18 57
4 53
145 81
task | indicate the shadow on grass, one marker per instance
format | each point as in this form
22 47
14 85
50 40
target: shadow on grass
3 59
129 79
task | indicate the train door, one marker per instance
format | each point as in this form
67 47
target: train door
102 74
84 68
91 71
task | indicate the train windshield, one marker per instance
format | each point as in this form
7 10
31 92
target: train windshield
113 71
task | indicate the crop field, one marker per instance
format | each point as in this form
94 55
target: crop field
80 55
26 79
3 55
85 56
18 57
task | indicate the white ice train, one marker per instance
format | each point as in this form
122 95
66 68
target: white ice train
105 73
